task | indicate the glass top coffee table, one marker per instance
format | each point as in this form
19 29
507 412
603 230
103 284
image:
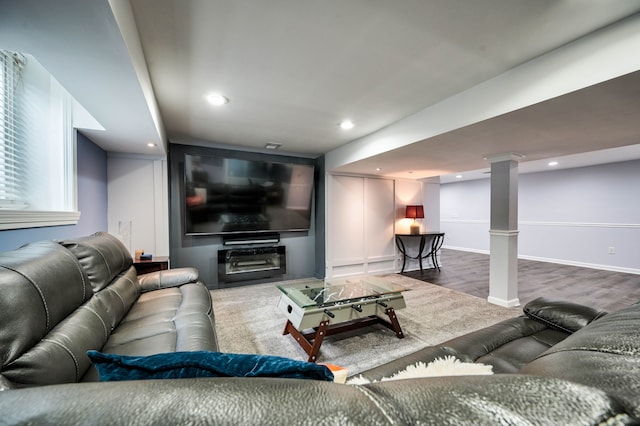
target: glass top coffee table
315 309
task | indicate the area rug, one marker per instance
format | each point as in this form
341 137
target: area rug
249 321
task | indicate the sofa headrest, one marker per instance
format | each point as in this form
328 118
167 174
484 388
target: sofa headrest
562 315
603 354
40 285
102 255
615 333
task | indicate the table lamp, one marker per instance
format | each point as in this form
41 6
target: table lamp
414 212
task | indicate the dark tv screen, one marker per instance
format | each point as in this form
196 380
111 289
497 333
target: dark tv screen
229 195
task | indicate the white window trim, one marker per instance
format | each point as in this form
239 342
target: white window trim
19 219
27 218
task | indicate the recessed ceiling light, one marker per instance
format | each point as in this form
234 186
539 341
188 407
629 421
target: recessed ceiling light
216 99
273 145
553 163
151 145
458 176
378 169
346 125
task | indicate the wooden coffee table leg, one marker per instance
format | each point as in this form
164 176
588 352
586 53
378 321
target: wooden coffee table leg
287 328
305 339
321 331
394 322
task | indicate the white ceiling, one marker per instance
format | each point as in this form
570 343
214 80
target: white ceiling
294 69
592 121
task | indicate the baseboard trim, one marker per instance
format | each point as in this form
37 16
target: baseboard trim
470 250
504 303
583 264
610 268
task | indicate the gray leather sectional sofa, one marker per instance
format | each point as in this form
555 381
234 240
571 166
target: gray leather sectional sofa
60 299
559 364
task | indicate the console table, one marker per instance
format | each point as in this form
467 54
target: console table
430 243
157 263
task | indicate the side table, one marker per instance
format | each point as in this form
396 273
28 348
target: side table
429 245
158 263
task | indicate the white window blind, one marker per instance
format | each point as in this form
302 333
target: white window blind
37 146
12 132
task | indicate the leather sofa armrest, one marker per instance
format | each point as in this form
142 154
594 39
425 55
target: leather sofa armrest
167 278
561 315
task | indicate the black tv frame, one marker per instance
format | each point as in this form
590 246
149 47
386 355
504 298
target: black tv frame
245 211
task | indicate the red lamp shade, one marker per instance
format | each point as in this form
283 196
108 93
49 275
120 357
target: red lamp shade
414 212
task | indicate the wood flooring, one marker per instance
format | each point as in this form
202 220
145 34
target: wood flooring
469 273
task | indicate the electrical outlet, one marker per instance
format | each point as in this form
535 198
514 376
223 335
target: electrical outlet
612 250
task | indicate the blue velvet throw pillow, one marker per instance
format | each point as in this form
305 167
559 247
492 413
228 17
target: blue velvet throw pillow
175 365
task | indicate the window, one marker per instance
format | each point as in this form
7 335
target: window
11 161
37 146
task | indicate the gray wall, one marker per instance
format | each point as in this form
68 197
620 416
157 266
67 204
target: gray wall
92 201
200 251
572 216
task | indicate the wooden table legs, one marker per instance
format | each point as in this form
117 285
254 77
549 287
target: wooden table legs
311 341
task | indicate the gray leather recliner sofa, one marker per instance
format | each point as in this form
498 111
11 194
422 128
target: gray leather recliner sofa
561 364
60 299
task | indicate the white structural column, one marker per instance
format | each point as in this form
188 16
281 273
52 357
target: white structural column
503 262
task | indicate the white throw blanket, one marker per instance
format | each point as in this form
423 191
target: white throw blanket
447 366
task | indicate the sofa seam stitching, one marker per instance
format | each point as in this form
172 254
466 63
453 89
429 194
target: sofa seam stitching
597 350
38 289
78 266
104 324
548 323
70 353
378 403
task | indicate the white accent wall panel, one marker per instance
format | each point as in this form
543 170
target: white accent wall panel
379 225
360 221
137 194
345 220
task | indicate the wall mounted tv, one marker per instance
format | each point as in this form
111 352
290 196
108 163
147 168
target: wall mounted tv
228 195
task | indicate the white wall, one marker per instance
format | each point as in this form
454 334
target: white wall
363 216
408 192
360 226
431 202
570 216
464 214
138 202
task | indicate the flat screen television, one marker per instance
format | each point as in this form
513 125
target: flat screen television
229 195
